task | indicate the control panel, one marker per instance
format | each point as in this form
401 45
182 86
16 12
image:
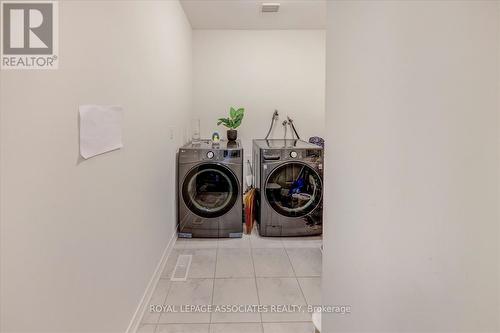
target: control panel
232 153
216 155
273 156
276 155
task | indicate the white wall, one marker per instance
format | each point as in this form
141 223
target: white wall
260 70
412 232
80 239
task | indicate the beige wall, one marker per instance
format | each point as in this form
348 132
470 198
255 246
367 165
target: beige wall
412 232
411 240
80 239
260 70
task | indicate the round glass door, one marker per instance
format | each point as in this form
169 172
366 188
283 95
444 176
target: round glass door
293 189
210 190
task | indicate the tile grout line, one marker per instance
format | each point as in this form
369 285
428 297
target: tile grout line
256 286
166 295
249 277
183 249
296 279
213 284
231 323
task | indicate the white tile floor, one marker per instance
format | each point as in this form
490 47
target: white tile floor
247 271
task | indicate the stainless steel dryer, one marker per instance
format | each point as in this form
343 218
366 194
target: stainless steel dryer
288 175
210 199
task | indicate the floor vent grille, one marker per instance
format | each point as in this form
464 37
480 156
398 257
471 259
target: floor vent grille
181 269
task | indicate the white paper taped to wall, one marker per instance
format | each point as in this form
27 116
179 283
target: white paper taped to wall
100 129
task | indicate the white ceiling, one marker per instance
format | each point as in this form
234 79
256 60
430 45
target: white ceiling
246 14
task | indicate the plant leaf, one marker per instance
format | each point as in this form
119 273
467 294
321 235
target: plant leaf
224 121
237 122
232 112
240 112
238 117
235 118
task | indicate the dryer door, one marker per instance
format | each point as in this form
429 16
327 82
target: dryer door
293 189
210 190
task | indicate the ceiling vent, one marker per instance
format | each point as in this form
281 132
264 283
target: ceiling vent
270 7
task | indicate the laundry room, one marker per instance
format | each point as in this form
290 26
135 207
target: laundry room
189 150
261 72
251 166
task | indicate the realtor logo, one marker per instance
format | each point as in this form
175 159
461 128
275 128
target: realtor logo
29 35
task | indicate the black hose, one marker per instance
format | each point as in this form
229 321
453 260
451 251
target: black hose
275 115
250 167
293 127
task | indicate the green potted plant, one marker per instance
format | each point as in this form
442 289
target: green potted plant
233 122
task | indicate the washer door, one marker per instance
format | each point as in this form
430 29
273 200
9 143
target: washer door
293 189
210 190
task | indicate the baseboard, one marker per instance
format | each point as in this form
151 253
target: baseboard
142 307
